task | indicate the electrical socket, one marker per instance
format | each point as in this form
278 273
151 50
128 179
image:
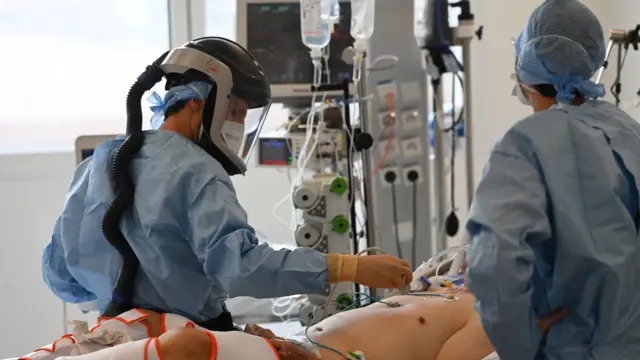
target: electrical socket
411 120
411 147
384 171
386 120
405 173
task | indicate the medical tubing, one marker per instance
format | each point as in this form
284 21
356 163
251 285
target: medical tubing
412 177
452 224
291 182
122 297
459 119
306 161
301 159
307 153
346 123
287 303
453 146
326 54
311 148
390 177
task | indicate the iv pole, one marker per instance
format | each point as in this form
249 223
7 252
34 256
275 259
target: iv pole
464 34
437 60
434 55
621 39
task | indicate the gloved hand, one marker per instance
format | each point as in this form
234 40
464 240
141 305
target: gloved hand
383 272
378 271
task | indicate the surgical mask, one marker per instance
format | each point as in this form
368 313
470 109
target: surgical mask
233 134
518 92
521 95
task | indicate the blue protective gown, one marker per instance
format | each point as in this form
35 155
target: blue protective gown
186 227
554 224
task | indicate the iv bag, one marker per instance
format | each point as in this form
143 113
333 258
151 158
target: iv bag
331 11
315 32
362 19
420 31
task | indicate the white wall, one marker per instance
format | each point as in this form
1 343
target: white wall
33 187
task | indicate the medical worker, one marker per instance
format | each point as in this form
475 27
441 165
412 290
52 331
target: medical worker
185 226
554 223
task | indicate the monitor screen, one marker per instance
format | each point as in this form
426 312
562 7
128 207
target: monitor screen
273 37
274 152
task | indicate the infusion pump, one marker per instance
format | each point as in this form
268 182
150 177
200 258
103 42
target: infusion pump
283 149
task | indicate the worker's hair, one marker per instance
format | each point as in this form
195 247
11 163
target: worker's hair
549 91
546 90
174 80
175 108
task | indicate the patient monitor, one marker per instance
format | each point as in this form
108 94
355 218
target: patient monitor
283 149
270 30
86 144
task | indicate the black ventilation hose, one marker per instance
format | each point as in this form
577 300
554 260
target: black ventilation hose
124 188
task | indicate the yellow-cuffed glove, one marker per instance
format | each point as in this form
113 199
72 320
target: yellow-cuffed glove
377 271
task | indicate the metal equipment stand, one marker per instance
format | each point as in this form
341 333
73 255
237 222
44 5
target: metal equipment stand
622 39
464 34
358 141
440 242
364 141
438 60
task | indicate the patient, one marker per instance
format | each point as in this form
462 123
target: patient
422 328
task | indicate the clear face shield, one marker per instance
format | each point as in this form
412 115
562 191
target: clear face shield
234 113
242 126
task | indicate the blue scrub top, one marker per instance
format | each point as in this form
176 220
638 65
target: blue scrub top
186 227
554 224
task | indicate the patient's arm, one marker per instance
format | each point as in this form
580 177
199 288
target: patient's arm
469 343
286 349
289 351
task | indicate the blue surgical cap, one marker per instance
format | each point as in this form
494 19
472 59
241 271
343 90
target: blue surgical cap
563 45
198 90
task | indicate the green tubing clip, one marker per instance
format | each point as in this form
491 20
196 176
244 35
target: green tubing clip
343 302
340 224
339 185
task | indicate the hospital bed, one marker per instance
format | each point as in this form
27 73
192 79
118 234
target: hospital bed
292 326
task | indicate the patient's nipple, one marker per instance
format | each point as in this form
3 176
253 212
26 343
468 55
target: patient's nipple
421 320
